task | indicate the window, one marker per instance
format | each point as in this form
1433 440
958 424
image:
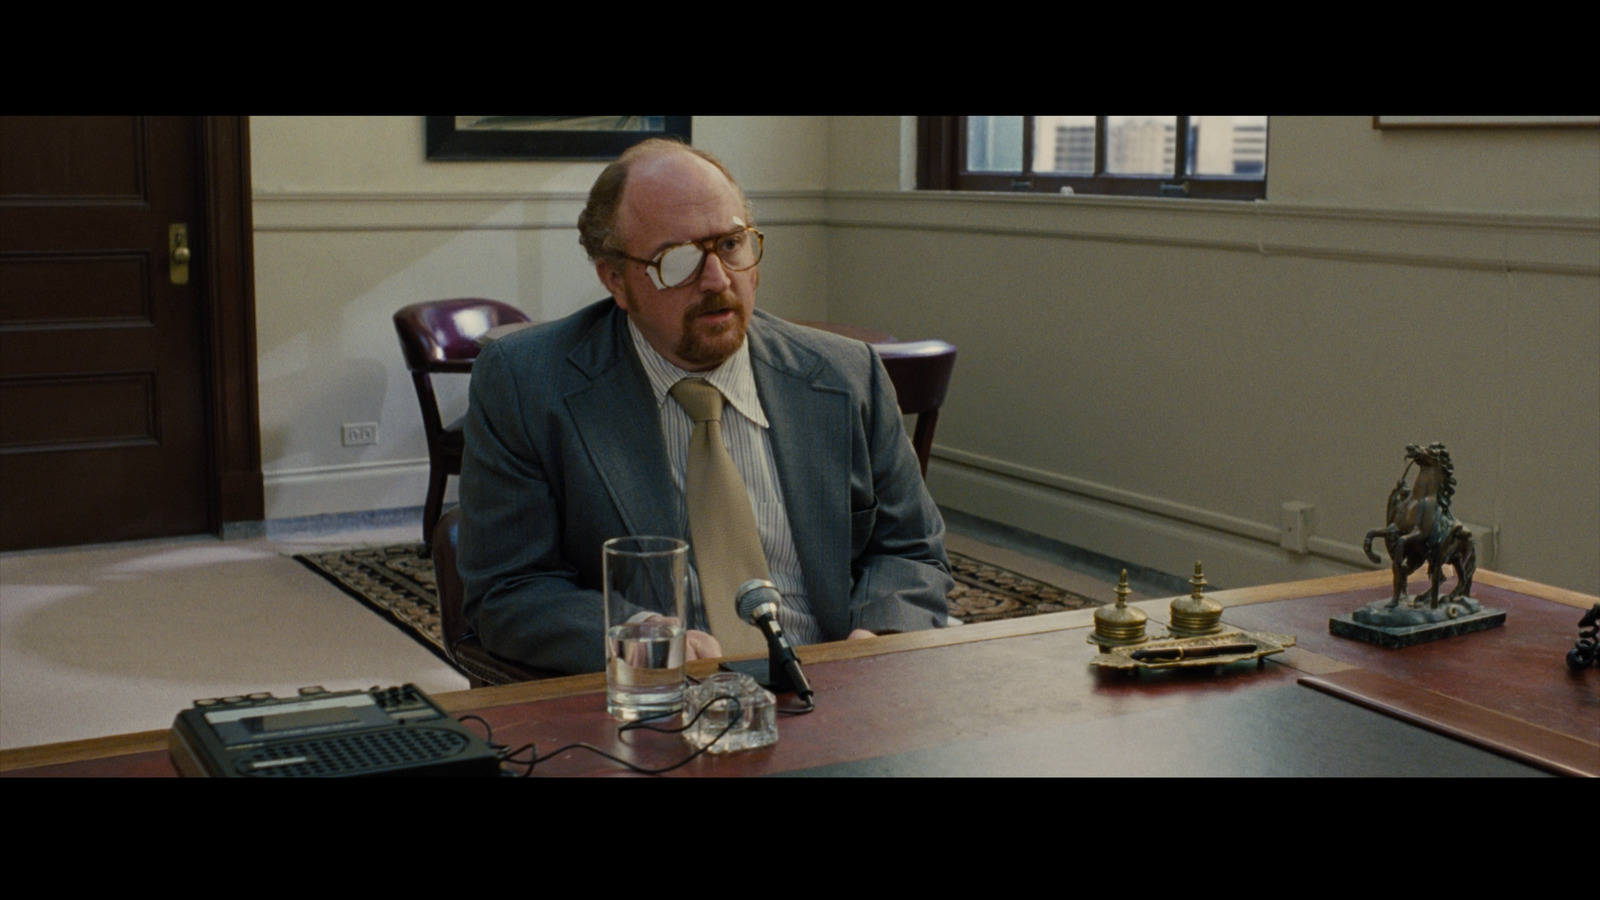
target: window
1218 157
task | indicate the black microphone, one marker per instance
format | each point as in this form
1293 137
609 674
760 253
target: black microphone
757 602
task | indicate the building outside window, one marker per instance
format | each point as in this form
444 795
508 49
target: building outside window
1220 157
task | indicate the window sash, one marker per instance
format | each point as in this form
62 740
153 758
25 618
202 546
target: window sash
942 165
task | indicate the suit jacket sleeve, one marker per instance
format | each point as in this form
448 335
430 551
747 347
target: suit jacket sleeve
523 593
900 576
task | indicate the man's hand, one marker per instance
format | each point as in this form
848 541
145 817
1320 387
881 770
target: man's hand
696 644
699 645
858 633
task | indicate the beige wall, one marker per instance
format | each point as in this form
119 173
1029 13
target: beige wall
1343 161
1150 379
1154 379
352 222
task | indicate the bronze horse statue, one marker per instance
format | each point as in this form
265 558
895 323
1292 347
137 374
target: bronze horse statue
1422 530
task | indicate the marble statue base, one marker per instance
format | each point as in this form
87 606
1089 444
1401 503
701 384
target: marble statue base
1406 625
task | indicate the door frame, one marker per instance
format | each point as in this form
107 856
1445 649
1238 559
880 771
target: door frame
232 401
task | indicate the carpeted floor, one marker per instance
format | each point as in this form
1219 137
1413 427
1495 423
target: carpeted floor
397 583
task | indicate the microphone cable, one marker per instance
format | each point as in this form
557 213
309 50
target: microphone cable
510 756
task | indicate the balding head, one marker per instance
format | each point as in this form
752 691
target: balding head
597 224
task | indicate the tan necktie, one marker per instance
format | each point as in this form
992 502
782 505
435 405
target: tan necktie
727 547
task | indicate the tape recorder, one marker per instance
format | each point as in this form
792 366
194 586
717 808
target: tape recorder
389 731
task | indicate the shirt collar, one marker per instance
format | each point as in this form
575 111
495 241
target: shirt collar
734 378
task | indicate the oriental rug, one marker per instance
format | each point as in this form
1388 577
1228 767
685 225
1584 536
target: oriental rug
397 583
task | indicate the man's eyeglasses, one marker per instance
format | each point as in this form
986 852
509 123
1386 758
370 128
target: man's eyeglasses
680 264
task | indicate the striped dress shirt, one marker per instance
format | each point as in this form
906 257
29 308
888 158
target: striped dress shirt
745 432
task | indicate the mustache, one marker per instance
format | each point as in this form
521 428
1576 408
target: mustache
710 304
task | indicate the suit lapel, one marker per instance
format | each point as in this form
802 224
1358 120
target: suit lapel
813 460
619 424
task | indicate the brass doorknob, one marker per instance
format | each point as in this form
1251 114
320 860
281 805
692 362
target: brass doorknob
178 253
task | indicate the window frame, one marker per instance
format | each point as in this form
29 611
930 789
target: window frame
941 166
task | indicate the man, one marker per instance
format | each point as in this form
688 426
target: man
574 436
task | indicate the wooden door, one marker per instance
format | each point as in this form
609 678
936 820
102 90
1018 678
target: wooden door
103 432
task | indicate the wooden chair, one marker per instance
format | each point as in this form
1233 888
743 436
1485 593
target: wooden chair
441 336
920 371
465 650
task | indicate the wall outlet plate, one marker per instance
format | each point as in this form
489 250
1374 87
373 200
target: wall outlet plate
359 434
1294 532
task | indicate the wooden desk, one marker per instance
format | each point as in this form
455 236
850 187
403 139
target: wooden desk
1018 697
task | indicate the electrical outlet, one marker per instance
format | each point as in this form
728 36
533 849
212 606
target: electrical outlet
1295 526
358 434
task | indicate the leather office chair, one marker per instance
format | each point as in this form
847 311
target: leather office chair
465 650
441 336
920 371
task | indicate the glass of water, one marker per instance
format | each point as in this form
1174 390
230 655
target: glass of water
646 579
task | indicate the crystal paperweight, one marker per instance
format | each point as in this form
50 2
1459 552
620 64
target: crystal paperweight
731 697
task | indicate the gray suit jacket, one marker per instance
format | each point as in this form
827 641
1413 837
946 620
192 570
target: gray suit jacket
564 451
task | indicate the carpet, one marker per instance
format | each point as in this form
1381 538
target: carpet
397 583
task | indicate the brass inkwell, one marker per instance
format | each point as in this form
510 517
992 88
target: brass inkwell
1196 615
1118 625
1195 637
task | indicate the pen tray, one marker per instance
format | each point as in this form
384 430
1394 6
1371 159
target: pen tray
1266 645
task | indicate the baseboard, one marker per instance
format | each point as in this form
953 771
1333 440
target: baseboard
343 489
324 523
1143 537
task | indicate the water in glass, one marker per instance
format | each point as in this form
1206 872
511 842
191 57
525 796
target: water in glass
644 668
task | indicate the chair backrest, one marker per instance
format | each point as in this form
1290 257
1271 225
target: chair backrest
920 371
442 335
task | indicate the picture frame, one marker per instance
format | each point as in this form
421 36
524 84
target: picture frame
1485 121
487 138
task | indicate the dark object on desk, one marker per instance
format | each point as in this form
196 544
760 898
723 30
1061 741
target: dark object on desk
1421 529
1177 653
1469 617
481 667
757 602
1587 650
390 732
437 337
